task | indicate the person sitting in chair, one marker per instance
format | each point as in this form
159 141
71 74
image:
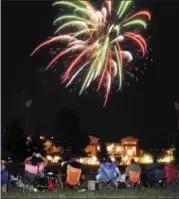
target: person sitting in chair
151 172
107 162
72 173
34 168
36 159
73 162
133 166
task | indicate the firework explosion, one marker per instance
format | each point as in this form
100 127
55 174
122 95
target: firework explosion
96 40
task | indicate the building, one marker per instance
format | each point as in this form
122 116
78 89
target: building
126 149
93 147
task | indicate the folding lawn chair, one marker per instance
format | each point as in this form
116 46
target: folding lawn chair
171 175
156 174
157 177
133 178
107 176
73 177
31 174
4 179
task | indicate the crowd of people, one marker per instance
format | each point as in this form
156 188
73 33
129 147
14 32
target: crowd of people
36 164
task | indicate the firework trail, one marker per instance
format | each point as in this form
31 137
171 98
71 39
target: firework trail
95 39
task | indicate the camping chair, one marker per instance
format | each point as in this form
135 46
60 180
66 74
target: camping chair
171 175
32 173
158 177
4 179
73 177
107 176
133 178
156 174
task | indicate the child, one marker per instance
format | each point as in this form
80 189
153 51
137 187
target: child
14 179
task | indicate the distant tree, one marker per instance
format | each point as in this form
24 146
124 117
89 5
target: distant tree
177 137
51 148
67 128
14 141
177 142
80 143
177 147
102 153
37 145
67 154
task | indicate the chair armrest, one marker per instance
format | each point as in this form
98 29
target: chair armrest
59 175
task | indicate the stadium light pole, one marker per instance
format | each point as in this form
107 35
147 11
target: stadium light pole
177 137
27 105
177 109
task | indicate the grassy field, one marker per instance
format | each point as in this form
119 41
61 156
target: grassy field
170 192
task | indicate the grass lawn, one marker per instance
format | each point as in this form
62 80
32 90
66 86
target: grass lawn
170 192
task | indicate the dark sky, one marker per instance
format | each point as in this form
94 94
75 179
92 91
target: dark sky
144 109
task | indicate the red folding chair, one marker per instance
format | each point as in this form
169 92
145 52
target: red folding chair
171 175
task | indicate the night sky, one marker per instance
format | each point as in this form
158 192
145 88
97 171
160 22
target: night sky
145 109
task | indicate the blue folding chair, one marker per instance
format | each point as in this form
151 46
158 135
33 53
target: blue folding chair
156 174
107 176
4 179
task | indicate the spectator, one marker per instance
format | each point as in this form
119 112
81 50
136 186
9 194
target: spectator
13 179
151 172
107 163
34 168
36 160
73 162
133 166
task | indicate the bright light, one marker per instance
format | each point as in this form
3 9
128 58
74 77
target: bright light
146 159
81 160
56 159
166 159
98 148
110 147
125 158
113 159
129 152
42 137
128 162
94 158
89 160
28 138
49 157
118 149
